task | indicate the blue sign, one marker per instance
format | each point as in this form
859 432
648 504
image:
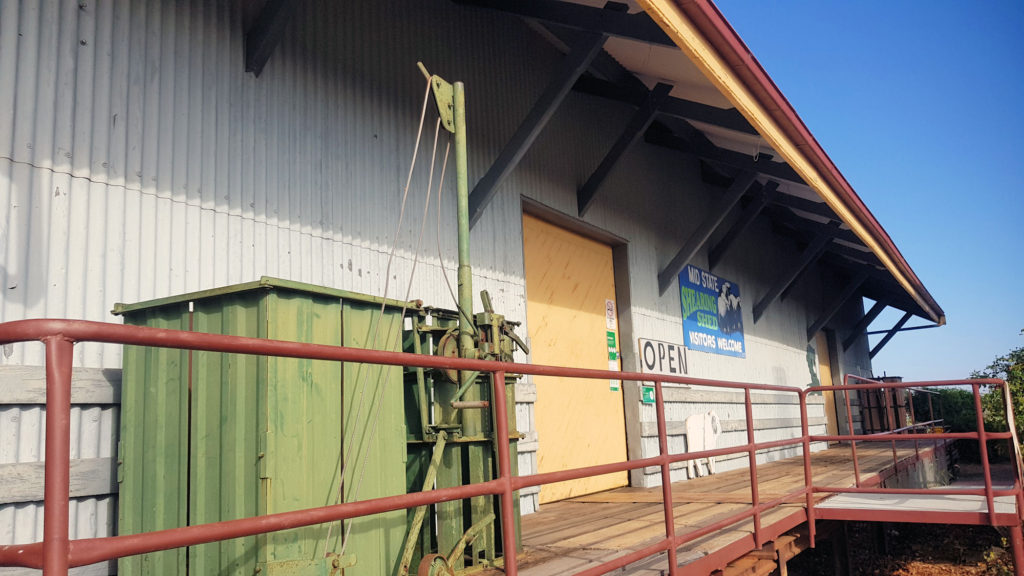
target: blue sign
712 313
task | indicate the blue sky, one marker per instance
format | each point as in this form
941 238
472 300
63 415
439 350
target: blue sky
921 106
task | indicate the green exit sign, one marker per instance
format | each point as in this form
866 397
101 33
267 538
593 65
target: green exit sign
647 394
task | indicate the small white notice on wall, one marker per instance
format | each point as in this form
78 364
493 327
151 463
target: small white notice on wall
609 314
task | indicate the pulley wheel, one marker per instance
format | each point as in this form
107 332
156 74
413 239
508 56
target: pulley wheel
448 346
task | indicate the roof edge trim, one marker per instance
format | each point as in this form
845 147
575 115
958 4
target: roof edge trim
703 33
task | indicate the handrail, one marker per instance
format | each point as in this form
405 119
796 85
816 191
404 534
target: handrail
89 331
982 436
56 553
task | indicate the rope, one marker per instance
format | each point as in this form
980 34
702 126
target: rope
440 257
387 279
408 291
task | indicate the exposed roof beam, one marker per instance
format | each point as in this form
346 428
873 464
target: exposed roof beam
707 227
609 68
699 27
862 324
904 329
858 257
747 217
789 218
878 286
810 254
888 336
266 32
641 119
839 260
638 26
574 64
728 118
632 95
712 153
809 206
796 281
807 230
677 107
833 308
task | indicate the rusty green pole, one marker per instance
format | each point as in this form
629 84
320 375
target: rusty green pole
480 457
471 421
466 348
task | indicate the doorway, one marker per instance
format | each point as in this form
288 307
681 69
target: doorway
570 285
825 375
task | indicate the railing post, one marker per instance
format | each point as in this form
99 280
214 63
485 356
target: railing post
853 443
752 455
890 418
808 482
59 358
983 444
508 524
666 478
913 421
1017 546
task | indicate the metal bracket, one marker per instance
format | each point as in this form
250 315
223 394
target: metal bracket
330 565
444 97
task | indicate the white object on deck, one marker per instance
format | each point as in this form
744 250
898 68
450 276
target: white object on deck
702 432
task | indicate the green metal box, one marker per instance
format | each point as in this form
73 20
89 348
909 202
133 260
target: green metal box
209 436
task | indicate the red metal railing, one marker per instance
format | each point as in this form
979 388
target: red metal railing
56 553
907 433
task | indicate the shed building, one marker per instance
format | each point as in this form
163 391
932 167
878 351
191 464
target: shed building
637 179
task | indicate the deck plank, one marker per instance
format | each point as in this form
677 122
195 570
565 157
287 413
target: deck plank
572 535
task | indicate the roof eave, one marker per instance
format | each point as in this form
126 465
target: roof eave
703 33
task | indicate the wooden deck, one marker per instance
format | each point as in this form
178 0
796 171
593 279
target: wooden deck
573 535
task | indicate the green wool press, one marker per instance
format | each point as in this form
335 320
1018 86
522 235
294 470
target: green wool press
207 436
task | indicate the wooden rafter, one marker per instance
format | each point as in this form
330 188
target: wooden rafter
811 253
672 106
837 304
862 324
888 336
761 199
707 227
574 64
266 32
613 20
641 119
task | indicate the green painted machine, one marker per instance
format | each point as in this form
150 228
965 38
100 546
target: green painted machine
209 436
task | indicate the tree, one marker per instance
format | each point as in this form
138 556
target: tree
954 405
1010 368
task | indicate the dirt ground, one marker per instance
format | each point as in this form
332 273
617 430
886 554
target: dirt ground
919 549
913 550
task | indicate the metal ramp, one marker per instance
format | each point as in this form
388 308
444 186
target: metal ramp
938 506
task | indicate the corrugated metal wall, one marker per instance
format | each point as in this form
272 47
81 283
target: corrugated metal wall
139 160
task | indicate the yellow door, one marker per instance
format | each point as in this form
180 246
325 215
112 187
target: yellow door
569 281
825 375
